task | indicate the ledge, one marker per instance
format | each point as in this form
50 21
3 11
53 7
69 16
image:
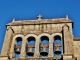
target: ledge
43 21
76 39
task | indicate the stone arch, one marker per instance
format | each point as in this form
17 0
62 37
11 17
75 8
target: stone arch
30 35
44 40
30 38
13 44
55 34
18 35
44 34
59 36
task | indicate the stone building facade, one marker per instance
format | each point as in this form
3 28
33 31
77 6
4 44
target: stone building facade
50 29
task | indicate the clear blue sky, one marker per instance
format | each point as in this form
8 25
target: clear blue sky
29 9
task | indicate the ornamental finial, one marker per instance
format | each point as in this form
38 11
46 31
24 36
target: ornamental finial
13 20
39 17
67 17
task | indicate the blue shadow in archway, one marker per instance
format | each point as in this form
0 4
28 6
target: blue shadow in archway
45 41
31 41
19 43
57 46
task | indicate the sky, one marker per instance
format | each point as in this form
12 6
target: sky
30 9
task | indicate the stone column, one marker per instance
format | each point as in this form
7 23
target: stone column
68 40
23 50
7 42
37 53
50 47
12 48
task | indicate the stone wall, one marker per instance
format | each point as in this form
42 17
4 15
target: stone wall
37 29
77 48
40 28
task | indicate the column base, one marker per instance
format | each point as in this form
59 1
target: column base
69 57
4 58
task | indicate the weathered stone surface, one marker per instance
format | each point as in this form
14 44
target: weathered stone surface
38 28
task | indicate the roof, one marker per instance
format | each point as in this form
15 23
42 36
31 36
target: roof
42 21
76 39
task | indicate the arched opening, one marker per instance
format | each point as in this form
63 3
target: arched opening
30 47
44 47
57 46
17 47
